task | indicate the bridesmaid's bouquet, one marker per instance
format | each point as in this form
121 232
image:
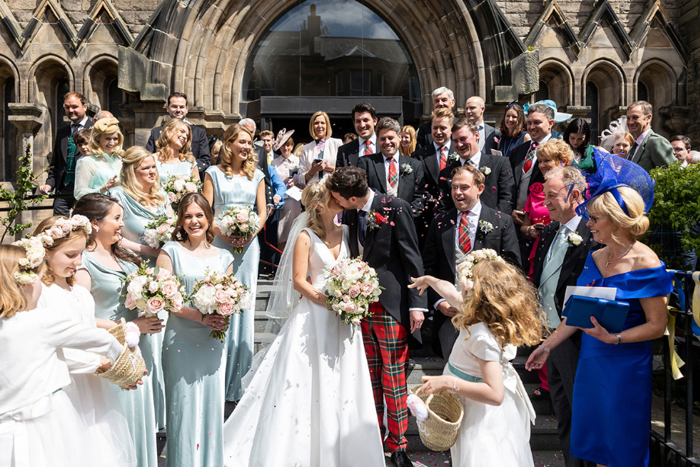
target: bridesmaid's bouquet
239 221
152 290
351 285
177 186
464 270
220 294
159 230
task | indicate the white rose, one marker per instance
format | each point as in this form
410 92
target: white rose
179 185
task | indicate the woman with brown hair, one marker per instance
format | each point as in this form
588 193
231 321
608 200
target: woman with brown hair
173 155
513 128
236 181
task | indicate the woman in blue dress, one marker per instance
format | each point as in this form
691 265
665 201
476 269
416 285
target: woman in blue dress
513 129
611 407
105 266
142 199
173 155
236 181
99 171
194 364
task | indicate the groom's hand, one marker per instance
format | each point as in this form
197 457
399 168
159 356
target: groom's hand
417 318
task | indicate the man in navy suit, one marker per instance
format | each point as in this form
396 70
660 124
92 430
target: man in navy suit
443 98
364 117
488 135
177 108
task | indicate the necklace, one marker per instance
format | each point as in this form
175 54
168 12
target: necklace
608 263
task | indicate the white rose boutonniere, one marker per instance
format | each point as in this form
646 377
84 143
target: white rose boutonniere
485 227
406 169
486 170
574 239
452 158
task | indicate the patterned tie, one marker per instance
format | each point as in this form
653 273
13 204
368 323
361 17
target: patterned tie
368 150
393 177
443 157
468 163
465 241
530 157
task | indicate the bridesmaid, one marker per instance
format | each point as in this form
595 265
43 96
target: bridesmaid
173 151
235 181
99 171
142 199
194 364
105 266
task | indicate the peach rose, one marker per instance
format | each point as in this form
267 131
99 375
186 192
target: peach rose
155 305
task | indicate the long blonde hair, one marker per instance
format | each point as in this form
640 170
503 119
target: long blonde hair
49 277
314 197
163 151
412 146
226 156
132 159
503 300
105 126
12 298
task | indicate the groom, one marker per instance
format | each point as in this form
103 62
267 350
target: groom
382 232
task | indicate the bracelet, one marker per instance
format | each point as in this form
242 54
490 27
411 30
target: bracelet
544 349
619 339
454 385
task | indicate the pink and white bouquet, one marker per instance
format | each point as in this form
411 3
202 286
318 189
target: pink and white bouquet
220 294
351 286
464 269
152 290
159 231
177 186
239 221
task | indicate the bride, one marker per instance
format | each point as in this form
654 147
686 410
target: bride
309 402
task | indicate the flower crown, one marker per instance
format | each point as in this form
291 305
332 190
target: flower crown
63 227
34 252
464 270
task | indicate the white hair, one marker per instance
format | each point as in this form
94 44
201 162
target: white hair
442 90
248 122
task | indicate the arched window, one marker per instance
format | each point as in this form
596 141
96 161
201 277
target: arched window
592 102
642 92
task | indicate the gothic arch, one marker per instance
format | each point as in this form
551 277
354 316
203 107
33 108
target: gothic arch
560 81
98 74
660 80
45 72
610 81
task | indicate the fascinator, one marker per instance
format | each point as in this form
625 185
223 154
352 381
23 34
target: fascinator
614 172
559 117
282 137
106 125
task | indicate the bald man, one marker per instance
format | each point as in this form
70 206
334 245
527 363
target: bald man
488 135
102 114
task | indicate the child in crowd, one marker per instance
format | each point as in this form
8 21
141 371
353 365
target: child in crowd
81 138
498 310
38 424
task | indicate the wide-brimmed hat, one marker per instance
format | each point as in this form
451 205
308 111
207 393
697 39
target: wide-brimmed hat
282 137
559 117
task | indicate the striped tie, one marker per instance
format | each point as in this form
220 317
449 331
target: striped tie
368 150
393 177
443 157
530 157
465 241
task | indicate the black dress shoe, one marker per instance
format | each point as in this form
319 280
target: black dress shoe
400 459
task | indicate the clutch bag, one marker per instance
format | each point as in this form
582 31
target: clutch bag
611 314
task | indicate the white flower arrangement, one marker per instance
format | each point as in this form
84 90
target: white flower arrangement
239 221
152 290
177 186
574 239
221 294
485 227
452 158
159 230
34 255
464 270
351 287
406 169
485 170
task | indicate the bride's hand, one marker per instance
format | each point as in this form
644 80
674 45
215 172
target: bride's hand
421 283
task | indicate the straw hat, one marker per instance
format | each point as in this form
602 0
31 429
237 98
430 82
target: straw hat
282 137
445 412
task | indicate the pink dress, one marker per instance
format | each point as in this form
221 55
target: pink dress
538 214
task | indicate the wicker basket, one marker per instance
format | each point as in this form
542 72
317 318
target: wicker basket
445 412
130 366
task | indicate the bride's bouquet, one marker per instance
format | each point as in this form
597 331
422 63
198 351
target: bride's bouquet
220 294
351 285
177 186
239 221
152 290
159 231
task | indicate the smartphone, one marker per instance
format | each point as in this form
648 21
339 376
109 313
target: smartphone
539 226
318 160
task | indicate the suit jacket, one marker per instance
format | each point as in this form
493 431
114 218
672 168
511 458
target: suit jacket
431 168
59 159
348 154
491 138
424 135
439 251
199 146
392 250
517 161
411 185
655 151
498 186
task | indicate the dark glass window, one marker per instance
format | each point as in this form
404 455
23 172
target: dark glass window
592 102
642 92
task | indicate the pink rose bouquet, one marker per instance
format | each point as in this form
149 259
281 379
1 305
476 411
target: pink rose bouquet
177 186
153 290
351 285
221 294
239 221
159 230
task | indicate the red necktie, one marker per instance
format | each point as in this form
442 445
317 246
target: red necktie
368 150
530 157
393 178
443 157
465 241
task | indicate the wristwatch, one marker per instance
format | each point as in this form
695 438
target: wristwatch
619 338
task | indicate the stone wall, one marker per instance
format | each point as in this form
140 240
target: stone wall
689 11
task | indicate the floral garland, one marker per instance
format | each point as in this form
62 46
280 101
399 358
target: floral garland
35 252
464 270
63 227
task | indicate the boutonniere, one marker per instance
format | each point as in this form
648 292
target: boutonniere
406 169
485 170
452 158
485 227
495 139
375 220
574 239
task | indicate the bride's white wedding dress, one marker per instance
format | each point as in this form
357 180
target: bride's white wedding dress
310 401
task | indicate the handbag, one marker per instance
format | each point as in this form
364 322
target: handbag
611 314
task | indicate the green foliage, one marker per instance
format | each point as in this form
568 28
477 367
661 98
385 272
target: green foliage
676 209
21 198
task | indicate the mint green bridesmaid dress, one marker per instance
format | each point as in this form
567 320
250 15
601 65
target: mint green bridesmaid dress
168 170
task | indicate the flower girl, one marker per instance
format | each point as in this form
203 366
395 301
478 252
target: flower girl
38 425
64 240
498 311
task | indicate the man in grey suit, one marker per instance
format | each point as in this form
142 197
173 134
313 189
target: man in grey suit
488 135
559 261
649 149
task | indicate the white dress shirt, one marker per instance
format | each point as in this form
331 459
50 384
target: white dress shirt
372 146
482 136
639 142
475 160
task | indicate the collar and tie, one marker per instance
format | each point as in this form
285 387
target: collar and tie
368 149
531 153
362 223
74 127
465 241
559 241
468 163
393 175
443 156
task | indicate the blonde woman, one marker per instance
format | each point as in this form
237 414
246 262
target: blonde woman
173 155
236 181
99 171
408 141
287 165
318 157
